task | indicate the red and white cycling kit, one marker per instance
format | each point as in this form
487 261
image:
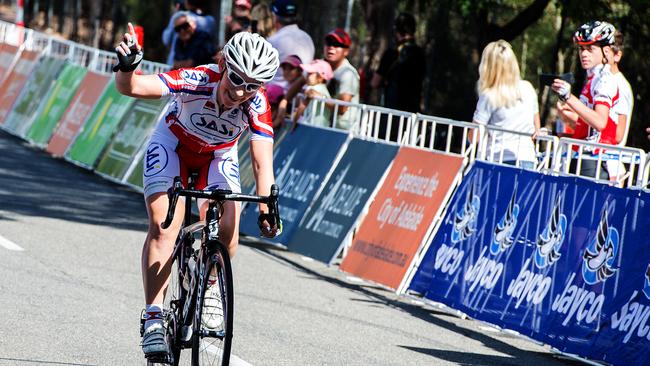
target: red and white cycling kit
601 88
193 134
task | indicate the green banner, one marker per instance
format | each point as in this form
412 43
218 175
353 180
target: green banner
134 132
39 82
135 177
100 126
54 104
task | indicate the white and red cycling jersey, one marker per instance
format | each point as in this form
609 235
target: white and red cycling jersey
194 135
195 119
600 88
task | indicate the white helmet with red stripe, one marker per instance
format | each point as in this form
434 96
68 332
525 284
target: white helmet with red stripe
596 32
252 55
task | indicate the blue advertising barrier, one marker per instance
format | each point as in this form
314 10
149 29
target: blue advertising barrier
560 259
302 163
322 231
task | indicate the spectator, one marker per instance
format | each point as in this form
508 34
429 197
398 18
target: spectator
507 102
240 19
623 107
318 73
592 113
289 39
194 47
262 20
291 72
274 93
401 69
203 23
169 36
345 83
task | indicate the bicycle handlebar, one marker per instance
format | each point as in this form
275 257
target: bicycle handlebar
177 190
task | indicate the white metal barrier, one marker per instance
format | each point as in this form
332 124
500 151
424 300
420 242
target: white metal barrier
518 147
386 124
573 156
450 136
326 111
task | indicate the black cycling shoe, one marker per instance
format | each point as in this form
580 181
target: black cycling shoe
154 343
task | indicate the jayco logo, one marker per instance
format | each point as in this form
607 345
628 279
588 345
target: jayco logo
550 241
506 226
155 159
600 255
466 217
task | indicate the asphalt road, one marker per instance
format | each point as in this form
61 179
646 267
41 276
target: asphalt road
72 295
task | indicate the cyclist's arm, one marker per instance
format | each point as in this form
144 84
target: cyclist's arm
262 159
139 86
596 118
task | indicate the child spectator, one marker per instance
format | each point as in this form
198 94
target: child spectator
319 72
592 113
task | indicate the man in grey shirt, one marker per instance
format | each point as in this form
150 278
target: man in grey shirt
345 83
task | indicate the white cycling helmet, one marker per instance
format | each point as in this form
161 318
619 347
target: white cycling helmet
252 55
596 32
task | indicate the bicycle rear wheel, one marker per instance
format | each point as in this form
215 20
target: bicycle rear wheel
211 340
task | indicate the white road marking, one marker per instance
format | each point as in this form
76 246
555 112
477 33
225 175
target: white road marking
234 360
9 245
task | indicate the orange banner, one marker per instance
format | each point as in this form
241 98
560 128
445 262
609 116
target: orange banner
401 215
82 104
14 80
7 55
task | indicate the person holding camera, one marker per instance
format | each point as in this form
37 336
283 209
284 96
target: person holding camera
592 112
506 101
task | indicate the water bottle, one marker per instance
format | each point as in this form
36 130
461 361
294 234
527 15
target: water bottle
189 273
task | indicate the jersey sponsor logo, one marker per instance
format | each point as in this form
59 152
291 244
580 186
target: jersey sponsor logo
258 104
193 77
214 127
156 159
600 255
550 240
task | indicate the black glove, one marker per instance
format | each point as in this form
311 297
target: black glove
265 230
131 61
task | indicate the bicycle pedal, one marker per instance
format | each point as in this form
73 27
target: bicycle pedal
165 358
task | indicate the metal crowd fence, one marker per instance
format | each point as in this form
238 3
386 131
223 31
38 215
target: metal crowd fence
386 124
94 59
543 147
646 174
625 166
447 135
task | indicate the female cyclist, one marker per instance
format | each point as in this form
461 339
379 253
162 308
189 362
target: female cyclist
210 106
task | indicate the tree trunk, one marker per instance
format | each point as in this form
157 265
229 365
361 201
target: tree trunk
379 16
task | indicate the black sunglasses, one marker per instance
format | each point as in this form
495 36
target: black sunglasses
182 26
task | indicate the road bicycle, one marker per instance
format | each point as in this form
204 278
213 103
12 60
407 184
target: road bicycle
194 268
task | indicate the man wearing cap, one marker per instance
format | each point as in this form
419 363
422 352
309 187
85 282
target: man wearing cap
345 83
288 38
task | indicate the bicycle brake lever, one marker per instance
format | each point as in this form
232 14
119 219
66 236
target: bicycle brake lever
172 194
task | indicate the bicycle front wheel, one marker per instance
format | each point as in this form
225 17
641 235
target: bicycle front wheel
213 322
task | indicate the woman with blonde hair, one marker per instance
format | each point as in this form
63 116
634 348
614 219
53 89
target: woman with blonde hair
508 102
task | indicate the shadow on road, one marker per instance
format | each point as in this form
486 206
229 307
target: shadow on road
32 183
13 361
376 296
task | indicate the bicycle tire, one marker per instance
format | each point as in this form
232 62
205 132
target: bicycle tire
208 351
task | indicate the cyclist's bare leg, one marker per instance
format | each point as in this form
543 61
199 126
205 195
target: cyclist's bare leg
228 225
158 247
